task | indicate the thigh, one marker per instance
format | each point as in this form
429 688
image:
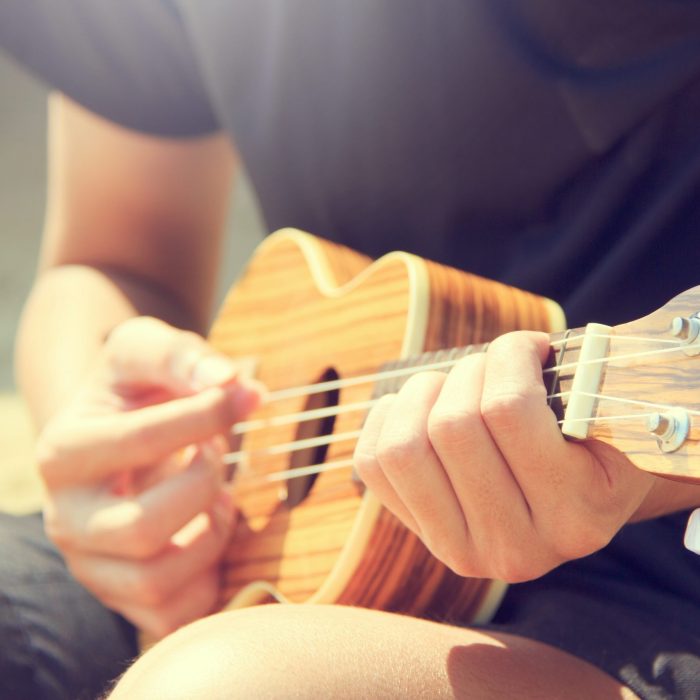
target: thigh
631 609
57 641
328 651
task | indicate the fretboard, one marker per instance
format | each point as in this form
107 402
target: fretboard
565 352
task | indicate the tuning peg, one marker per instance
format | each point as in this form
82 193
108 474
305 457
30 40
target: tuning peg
687 330
670 429
661 425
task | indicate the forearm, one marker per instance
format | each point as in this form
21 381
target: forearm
71 309
667 496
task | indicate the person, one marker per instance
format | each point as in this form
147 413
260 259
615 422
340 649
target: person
551 146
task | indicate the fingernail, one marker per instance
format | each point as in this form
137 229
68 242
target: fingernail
213 370
692 532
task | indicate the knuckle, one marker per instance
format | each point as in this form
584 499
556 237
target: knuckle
460 564
454 554
458 560
504 411
423 381
398 452
447 427
364 462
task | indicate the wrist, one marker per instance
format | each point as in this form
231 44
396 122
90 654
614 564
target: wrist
667 496
58 342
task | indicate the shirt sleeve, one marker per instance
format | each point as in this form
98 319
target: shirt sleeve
130 61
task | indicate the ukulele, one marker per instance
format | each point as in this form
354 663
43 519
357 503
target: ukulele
329 331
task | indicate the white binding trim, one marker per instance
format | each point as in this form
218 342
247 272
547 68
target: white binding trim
557 319
414 337
491 602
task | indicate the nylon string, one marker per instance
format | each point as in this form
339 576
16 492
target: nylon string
284 448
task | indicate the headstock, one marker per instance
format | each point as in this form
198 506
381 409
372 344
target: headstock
645 400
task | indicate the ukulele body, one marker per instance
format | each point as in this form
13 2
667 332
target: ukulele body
307 311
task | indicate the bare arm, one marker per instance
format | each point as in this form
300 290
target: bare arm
133 227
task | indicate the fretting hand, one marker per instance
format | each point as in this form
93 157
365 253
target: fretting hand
133 472
475 464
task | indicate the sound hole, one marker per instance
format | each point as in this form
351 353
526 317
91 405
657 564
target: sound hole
298 488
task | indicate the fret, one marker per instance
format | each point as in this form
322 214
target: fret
566 355
565 351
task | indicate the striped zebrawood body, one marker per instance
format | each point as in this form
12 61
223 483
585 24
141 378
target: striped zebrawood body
305 310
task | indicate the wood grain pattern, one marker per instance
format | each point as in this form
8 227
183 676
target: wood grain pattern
661 376
306 307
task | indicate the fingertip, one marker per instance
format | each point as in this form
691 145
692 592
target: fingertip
541 342
257 387
244 395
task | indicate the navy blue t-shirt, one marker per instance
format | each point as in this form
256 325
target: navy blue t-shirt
551 144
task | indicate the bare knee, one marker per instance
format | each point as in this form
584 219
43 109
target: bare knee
218 657
282 651
327 651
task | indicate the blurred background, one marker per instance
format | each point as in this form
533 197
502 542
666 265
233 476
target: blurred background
22 190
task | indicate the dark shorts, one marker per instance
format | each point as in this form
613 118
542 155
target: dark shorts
632 610
56 641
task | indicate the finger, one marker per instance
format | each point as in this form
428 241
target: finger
197 598
515 410
367 465
140 525
145 350
414 471
153 582
487 492
561 481
88 451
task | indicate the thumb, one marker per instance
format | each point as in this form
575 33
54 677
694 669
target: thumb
148 351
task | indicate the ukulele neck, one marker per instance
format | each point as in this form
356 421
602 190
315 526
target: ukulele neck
573 354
